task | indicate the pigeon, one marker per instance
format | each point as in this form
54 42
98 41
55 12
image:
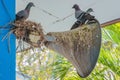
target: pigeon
78 11
81 16
24 14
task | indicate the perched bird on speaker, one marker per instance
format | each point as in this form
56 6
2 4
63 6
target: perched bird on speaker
24 14
81 16
78 11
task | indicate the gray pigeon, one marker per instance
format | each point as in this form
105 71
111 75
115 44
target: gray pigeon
81 16
78 11
24 14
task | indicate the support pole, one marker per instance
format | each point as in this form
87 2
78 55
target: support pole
7 46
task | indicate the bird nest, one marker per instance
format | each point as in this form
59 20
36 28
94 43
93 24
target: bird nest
29 32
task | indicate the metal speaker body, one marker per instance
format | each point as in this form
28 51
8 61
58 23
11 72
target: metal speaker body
81 46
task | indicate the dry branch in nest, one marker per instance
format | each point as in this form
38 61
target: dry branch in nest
29 32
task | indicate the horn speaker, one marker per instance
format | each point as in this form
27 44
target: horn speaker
81 46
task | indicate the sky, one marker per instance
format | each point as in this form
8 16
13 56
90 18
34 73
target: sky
104 10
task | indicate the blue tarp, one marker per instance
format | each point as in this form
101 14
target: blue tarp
7 58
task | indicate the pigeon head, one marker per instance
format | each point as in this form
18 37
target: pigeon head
89 10
30 4
76 7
